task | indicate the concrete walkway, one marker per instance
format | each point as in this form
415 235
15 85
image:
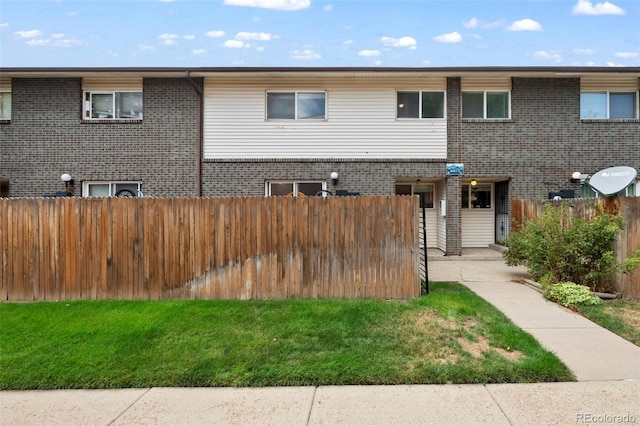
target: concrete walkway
607 367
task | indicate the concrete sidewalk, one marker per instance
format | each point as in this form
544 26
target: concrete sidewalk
505 404
607 367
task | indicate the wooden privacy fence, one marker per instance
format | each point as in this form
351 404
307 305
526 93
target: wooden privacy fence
223 248
626 242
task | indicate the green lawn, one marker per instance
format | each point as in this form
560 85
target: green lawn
448 336
621 316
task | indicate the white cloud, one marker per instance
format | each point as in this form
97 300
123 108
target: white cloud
453 37
214 34
145 47
626 55
260 48
168 39
234 44
405 41
525 25
476 23
189 37
328 8
198 51
271 4
554 55
28 34
55 42
369 53
347 42
585 7
306 54
243 35
614 64
471 23
583 51
3 24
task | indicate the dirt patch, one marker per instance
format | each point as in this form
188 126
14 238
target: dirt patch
628 315
428 323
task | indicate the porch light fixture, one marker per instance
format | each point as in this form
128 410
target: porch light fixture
474 182
334 178
577 177
68 180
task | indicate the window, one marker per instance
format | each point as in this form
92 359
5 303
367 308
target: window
295 188
5 106
587 192
111 189
113 105
608 105
486 105
424 190
296 105
420 105
476 196
5 187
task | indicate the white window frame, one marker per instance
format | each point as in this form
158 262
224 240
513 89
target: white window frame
295 183
469 206
112 187
415 189
420 112
629 191
5 105
296 93
87 104
636 102
484 104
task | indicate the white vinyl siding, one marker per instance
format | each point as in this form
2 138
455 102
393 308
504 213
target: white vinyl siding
361 123
478 227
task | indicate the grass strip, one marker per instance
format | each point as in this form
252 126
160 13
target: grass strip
449 336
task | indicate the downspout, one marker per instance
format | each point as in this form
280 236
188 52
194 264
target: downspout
198 91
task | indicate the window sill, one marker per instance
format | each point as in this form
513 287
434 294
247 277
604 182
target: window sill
112 121
609 120
4 121
487 120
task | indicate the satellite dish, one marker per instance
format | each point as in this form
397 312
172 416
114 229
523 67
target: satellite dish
612 180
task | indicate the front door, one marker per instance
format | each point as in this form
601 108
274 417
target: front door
502 211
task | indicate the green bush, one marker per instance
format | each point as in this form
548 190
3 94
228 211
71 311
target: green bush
560 248
570 295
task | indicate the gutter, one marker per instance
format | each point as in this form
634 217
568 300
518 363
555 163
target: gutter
198 133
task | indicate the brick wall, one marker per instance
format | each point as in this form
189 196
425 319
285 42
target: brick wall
47 137
546 141
367 178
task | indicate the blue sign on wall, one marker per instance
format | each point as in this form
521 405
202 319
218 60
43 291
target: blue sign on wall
455 169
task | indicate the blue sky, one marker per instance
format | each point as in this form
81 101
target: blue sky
319 33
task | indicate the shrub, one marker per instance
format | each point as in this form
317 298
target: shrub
560 248
570 294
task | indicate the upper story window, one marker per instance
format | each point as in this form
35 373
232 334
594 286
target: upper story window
420 104
609 98
486 98
295 188
113 105
111 189
112 98
296 105
5 98
608 105
486 105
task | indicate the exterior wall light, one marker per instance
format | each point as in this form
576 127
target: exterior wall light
474 182
334 178
68 181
